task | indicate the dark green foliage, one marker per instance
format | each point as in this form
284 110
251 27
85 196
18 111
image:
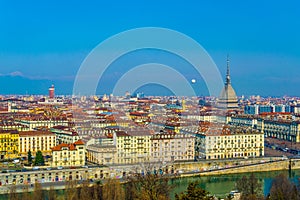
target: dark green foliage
29 157
39 159
194 192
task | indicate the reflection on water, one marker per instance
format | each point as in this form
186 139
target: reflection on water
221 185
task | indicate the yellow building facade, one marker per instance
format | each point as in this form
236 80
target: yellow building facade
69 154
9 144
219 141
234 146
133 147
36 141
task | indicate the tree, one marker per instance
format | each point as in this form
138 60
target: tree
97 191
194 192
283 189
250 188
151 184
113 190
71 191
25 193
38 192
13 195
39 159
29 157
52 193
148 187
85 191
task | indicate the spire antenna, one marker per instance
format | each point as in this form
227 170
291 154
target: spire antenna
228 71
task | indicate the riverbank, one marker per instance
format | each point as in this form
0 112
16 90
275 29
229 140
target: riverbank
219 185
183 169
274 165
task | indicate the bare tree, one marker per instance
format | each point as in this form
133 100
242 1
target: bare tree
52 193
13 195
38 192
250 188
71 190
26 195
113 190
150 187
283 189
152 184
97 191
85 192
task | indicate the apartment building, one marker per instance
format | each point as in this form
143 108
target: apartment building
219 141
69 154
282 129
9 144
64 134
35 122
133 146
36 141
170 147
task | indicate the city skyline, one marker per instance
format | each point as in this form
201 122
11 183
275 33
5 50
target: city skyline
45 43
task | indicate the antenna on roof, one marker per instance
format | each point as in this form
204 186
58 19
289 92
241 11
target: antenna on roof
228 71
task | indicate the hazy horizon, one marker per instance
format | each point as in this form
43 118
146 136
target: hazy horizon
45 43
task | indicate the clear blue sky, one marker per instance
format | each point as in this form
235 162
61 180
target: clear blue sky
44 42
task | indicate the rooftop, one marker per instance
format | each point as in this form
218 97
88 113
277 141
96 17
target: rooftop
35 133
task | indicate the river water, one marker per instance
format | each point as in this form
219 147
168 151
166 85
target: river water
223 184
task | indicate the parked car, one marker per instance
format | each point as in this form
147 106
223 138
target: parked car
16 161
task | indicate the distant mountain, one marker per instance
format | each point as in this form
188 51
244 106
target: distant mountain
18 84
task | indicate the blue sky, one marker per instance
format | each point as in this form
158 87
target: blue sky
44 42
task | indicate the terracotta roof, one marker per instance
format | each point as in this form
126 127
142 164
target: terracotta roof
136 113
60 146
61 127
71 147
35 133
8 131
79 142
275 113
121 133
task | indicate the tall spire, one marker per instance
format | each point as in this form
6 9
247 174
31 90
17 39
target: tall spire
228 99
228 72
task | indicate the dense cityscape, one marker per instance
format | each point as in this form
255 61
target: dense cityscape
51 139
149 100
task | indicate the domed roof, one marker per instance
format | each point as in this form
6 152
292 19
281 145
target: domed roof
227 98
228 93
